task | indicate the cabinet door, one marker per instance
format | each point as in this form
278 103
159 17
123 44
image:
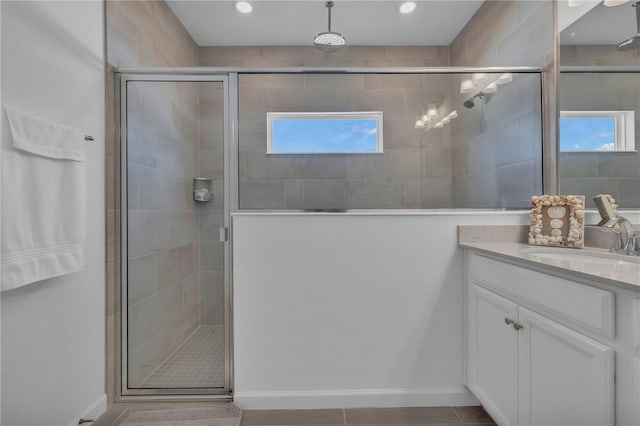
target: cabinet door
492 354
565 378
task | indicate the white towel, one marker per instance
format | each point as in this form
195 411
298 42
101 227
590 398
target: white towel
44 201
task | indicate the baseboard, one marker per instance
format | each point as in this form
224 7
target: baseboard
93 411
454 396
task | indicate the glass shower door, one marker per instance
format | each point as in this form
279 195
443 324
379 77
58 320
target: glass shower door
175 277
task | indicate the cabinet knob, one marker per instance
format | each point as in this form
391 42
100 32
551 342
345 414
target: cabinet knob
518 326
508 321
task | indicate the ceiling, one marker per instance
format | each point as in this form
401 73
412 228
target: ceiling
277 23
602 25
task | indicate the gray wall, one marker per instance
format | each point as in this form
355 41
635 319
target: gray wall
211 215
502 167
593 173
147 33
596 55
498 163
414 171
163 228
309 56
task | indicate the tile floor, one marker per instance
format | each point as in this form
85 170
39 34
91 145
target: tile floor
197 363
411 416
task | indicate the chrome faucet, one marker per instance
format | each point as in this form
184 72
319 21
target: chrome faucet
627 244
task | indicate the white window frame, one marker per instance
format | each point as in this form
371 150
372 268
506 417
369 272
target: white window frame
624 138
348 115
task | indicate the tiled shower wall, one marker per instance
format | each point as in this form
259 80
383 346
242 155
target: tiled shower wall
592 173
499 167
163 232
414 172
497 151
146 33
506 33
211 215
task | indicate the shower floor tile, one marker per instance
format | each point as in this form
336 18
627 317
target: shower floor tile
197 363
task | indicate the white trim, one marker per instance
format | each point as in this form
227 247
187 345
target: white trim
591 215
624 138
93 411
334 115
389 212
432 397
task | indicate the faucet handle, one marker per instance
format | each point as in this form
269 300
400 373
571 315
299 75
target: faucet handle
632 246
618 246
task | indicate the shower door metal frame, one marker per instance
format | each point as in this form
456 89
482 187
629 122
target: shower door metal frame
126 393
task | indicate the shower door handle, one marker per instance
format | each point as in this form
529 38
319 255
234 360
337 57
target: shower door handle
224 235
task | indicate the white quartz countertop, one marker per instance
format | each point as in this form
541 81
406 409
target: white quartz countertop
590 263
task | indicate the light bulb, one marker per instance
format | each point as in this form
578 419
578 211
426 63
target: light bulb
491 88
407 7
479 77
466 86
445 120
419 124
505 78
453 114
244 7
425 117
438 125
432 111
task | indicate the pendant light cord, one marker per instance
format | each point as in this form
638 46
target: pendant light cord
329 6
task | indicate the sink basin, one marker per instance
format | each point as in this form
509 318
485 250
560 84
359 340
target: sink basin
592 258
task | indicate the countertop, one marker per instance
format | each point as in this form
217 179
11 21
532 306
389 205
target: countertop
593 264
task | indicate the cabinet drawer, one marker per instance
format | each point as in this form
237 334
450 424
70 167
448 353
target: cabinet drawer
578 304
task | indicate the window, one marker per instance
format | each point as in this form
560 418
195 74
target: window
589 131
324 132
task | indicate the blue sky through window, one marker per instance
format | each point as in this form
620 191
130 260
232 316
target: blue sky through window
324 135
587 134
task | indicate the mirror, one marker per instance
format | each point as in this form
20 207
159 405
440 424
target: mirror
599 101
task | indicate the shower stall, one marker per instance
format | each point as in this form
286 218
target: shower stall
174 247
196 146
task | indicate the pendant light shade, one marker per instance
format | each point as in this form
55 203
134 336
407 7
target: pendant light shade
329 41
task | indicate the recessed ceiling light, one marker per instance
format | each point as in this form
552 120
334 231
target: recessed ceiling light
244 7
407 7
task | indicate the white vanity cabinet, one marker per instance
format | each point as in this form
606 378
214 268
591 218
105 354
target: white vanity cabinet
529 360
492 354
564 378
